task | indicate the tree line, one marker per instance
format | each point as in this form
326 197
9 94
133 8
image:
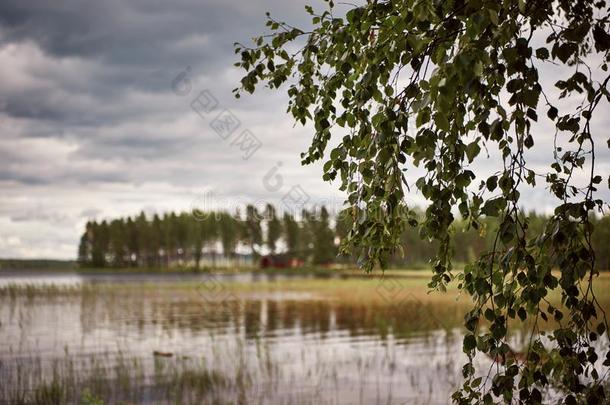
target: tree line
313 238
185 238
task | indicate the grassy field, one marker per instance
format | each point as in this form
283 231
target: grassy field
346 284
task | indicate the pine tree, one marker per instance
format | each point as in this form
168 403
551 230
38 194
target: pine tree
324 250
253 230
291 234
274 227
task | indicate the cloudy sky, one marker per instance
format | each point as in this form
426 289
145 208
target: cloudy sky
95 121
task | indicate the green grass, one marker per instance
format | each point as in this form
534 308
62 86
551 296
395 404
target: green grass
312 270
345 285
96 380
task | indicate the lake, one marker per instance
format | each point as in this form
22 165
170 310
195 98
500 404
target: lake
246 338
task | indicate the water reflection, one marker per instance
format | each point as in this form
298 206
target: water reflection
248 347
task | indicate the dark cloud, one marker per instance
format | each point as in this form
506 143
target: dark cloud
140 33
123 47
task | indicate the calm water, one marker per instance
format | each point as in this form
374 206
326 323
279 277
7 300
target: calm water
282 348
25 277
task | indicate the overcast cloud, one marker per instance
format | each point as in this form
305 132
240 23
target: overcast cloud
90 126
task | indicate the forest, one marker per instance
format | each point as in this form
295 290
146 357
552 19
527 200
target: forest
313 238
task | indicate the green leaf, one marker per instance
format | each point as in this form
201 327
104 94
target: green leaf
470 343
602 38
441 121
566 50
507 231
493 16
472 150
542 53
492 183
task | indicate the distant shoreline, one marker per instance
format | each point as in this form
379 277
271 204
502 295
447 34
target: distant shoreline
38 264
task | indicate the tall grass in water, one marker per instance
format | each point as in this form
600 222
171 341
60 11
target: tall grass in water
311 378
103 379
